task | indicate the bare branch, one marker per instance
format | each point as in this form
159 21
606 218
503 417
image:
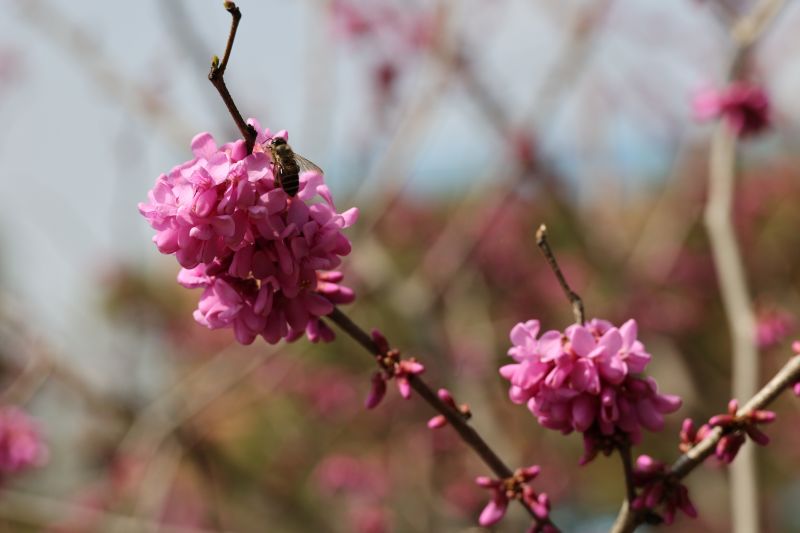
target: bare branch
572 296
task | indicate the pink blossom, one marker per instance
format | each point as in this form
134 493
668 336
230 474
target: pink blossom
21 446
266 261
586 379
744 106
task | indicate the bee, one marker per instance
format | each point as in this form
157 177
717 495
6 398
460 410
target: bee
287 165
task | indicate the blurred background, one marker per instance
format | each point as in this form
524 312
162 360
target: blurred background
456 127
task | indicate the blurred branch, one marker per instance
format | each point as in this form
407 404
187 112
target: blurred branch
139 99
787 376
572 296
730 268
456 419
217 77
30 509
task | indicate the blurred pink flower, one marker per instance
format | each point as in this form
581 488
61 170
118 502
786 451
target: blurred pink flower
583 379
772 327
265 259
744 106
355 476
21 446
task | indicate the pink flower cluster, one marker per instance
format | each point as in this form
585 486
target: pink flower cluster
21 446
585 379
264 259
744 106
657 487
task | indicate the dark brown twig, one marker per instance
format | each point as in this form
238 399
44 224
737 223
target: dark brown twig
456 419
572 296
627 467
217 77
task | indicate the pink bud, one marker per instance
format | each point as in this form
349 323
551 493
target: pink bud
380 340
758 436
733 406
763 416
530 472
494 510
721 420
446 397
377 391
437 422
403 386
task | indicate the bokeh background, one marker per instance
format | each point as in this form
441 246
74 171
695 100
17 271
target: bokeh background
456 127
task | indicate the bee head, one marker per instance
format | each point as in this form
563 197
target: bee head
277 141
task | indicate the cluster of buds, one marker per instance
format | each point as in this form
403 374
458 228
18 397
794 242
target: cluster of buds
659 487
392 367
736 428
440 420
515 488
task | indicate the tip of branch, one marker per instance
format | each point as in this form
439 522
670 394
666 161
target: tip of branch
541 233
230 6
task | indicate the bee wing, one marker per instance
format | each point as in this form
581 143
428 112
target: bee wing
305 164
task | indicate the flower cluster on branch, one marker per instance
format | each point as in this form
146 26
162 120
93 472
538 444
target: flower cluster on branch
265 260
586 379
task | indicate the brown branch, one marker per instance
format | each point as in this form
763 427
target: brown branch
572 296
456 419
629 520
217 77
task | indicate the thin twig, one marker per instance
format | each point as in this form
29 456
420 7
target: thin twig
456 419
628 520
572 296
627 467
217 77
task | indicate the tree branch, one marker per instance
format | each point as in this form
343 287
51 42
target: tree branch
572 296
456 419
628 520
217 77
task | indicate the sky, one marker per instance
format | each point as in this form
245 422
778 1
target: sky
81 146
